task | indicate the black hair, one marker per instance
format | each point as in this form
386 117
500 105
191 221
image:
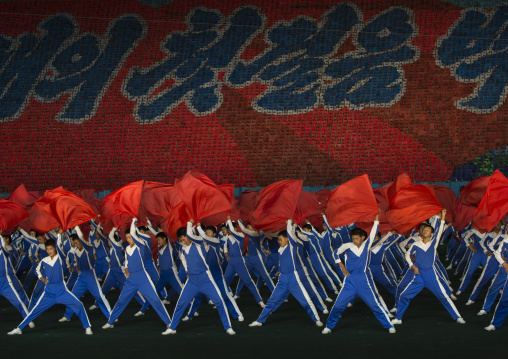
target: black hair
74 237
143 228
211 228
283 233
358 232
37 234
50 243
424 224
307 226
223 226
161 235
127 231
182 231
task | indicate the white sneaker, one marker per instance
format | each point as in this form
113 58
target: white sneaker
458 292
452 297
241 318
319 323
31 325
210 302
93 307
186 318
108 326
391 316
336 292
469 302
396 321
255 324
349 305
393 310
169 331
481 312
15 332
166 302
325 311
139 314
262 304
63 319
449 267
236 297
461 321
88 331
391 330
329 300
490 328
326 331
230 331
196 314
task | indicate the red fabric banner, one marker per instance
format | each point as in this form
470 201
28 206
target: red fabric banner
494 205
447 198
22 197
276 204
351 202
394 187
306 204
218 218
40 221
411 205
246 204
316 216
176 218
470 197
382 202
201 195
11 213
68 209
124 200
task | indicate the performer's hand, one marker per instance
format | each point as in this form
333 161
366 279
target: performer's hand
505 266
45 280
415 269
345 272
127 273
489 253
227 256
191 220
277 274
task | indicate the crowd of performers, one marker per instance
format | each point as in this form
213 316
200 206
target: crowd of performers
313 265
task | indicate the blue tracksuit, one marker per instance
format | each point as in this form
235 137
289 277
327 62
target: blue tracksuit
318 262
425 255
55 292
502 306
199 280
498 284
101 249
377 255
357 283
138 280
289 281
87 279
236 263
478 258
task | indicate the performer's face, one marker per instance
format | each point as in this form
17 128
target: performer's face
185 240
357 240
283 241
210 233
129 239
51 251
426 232
77 244
162 241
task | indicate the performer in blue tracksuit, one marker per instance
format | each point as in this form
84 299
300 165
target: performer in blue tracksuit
199 280
137 280
50 271
377 254
424 252
168 272
7 288
357 281
326 246
289 280
477 243
212 245
492 266
100 244
87 279
236 263
496 287
502 306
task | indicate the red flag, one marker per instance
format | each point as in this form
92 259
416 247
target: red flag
218 218
68 209
446 197
351 202
201 195
276 204
382 202
41 221
316 216
392 188
411 205
22 197
159 198
177 217
124 200
11 213
306 204
470 197
494 205
246 204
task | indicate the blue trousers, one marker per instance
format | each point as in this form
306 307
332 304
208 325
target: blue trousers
501 309
56 294
489 271
71 281
154 275
8 290
87 281
30 277
358 285
237 265
254 263
23 265
328 254
452 247
318 266
101 267
271 263
459 253
464 261
200 283
390 258
477 259
289 283
384 280
139 282
427 278
166 277
116 278
36 294
498 283
312 275
303 276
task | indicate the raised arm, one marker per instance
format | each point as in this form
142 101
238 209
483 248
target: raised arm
191 234
135 234
113 240
81 237
206 237
28 237
150 227
247 231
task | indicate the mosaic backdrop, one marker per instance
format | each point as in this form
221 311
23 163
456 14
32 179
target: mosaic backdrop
101 93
